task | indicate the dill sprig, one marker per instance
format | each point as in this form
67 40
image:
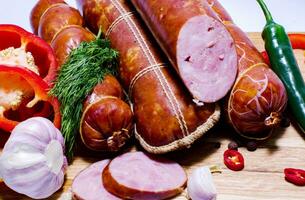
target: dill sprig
85 67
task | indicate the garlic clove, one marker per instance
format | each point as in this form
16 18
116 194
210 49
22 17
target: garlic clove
200 185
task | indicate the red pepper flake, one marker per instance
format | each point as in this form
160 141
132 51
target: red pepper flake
295 176
233 160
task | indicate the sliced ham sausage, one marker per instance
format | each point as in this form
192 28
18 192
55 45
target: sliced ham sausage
198 45
166 116
141 176
88 184
258 97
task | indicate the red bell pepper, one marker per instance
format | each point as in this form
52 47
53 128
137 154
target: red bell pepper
297 42
24 94
233 160
44 58
295 176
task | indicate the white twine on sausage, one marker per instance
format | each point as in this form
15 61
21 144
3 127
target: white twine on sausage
141 73
148 54
116 22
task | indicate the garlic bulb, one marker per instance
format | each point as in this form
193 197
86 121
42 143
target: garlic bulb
200 185
32 160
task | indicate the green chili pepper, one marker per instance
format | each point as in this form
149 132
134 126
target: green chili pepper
284 64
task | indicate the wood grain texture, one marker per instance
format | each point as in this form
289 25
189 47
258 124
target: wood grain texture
262 177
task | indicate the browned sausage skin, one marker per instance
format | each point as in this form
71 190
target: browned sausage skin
69 38
198 45
55 18
258 98
219 10
166 116
40 7
107 120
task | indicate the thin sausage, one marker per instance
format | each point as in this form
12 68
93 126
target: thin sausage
106 120
55 18
69 38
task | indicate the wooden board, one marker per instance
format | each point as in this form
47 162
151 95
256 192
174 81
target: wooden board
262 177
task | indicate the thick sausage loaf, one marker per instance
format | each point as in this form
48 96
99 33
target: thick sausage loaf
258 97
166 116
198 45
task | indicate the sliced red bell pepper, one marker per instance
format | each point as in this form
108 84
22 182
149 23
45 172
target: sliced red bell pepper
233 160
24 94
44 58
297 42
295 176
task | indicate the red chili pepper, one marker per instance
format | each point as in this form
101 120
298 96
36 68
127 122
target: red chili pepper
295 176
297 42
24 94
44 58
233 160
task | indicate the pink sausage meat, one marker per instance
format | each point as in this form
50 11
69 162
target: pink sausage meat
144 177
199 46
202 60
88 185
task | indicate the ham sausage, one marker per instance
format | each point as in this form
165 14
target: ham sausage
258 97
166 116
153 178
88 184
198 45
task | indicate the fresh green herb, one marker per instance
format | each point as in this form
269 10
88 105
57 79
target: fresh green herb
86 66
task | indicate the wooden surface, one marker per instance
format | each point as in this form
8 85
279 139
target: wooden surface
262 177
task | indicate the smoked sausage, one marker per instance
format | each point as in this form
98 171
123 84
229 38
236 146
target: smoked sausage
166 116
39 8
55 18
107 120
106 123
69 38
258 97
198 45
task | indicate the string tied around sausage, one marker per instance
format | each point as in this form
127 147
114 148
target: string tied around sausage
141 73
116 22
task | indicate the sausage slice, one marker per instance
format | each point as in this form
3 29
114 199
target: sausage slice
141 176
88 183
